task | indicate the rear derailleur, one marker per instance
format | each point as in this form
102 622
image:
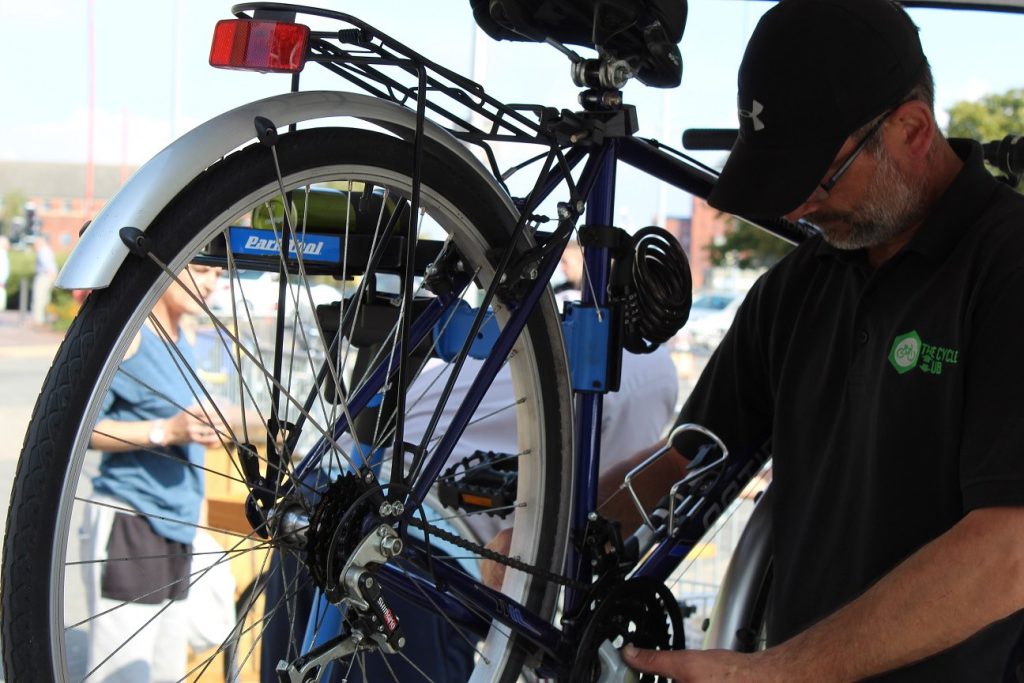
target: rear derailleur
342 551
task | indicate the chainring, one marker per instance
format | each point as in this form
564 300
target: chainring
640 611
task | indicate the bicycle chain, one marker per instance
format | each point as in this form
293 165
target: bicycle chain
496 556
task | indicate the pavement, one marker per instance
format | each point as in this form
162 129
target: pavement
26 352
20 337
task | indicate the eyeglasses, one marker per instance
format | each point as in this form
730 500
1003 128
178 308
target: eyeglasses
822 192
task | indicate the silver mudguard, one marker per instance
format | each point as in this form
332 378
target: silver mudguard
100 252
743 581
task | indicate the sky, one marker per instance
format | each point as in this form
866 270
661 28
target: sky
153 81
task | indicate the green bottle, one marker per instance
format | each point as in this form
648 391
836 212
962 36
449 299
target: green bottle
326 212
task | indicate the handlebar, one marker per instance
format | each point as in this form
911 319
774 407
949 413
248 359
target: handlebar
709 139
1007 155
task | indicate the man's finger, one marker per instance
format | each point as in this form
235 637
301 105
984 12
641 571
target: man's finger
650 661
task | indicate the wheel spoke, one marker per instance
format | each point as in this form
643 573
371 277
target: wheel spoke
469 639
278 388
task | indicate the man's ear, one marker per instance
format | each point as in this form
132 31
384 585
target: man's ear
913 129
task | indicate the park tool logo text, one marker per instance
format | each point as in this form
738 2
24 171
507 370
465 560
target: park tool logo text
273 245
909 352
312 247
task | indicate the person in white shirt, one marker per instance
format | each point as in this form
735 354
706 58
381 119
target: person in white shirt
5 269
42 283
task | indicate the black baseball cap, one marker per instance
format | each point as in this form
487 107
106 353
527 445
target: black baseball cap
813 73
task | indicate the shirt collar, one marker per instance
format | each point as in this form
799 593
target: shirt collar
962 201
959 205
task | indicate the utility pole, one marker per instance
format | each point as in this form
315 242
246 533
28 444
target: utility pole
90 133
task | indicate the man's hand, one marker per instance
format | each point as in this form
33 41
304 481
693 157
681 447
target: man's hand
701 666
493 573
191 426
616 504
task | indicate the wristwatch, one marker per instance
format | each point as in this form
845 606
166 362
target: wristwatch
157 434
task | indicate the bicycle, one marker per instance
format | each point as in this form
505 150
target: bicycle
413 227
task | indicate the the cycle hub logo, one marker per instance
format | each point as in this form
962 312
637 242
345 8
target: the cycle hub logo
909 352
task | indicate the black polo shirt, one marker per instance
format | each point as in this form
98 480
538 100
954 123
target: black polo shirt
894 402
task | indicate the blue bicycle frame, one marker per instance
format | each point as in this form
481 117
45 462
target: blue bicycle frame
461 596
464 599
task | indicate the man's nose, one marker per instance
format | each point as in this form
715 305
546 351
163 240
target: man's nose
809 206
799 212
817 198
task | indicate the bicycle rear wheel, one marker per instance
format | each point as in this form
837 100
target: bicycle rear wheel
260 371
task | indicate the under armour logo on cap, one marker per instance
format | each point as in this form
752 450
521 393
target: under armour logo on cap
752 114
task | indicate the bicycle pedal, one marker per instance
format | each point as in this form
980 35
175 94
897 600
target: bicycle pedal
483 482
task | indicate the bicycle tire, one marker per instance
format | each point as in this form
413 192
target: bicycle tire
739 619
51 484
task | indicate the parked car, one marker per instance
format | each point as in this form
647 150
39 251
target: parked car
708 302
704 332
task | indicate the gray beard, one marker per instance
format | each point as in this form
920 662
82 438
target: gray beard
894 202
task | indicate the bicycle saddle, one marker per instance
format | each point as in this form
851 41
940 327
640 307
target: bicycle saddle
644 33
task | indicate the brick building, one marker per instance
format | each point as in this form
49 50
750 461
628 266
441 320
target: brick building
695 233
58 193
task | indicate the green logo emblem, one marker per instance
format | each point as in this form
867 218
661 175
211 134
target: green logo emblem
909 352
906 349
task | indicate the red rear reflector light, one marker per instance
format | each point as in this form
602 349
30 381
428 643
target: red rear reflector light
259 45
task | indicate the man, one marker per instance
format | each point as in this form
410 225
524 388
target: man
42 282
147 496
879 359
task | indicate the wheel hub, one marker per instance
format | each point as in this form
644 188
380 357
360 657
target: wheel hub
335 530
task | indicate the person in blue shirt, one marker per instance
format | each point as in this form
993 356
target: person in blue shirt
147 496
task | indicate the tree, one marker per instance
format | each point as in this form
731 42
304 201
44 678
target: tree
747 247
12 205
992 117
